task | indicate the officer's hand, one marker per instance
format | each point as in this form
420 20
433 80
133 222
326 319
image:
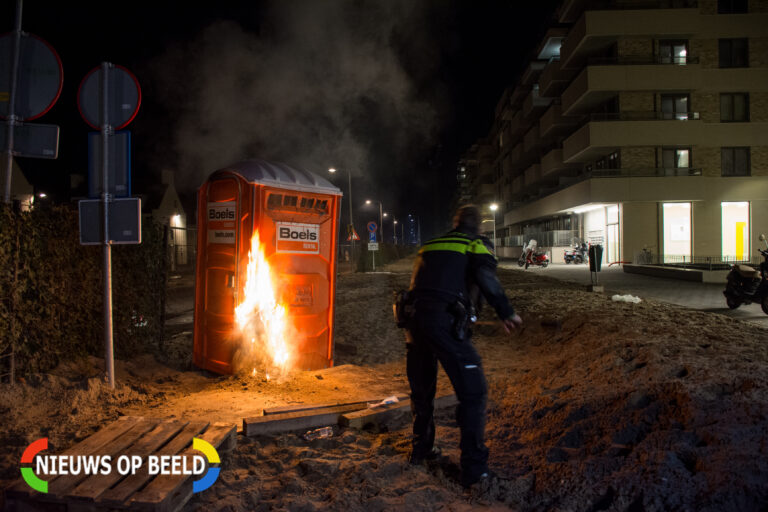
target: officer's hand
512 323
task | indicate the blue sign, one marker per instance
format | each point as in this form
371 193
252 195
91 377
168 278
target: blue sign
372 227
372 236
119 165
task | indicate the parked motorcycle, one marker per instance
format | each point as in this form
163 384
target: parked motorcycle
747 285
530 256
576 255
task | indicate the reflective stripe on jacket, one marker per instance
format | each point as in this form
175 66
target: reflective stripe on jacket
449 265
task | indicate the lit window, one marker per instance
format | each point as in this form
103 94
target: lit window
735 224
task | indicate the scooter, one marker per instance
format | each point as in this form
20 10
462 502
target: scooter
539 259
576 255
747 285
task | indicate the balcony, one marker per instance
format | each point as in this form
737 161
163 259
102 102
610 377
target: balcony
534 103
553 123
649 172
532 140
517 185
596 31
532 72
532 177
597 84
554 79
552 163
603 134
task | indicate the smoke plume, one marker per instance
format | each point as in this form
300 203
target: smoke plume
313 84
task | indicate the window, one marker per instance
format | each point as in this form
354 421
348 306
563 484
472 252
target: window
675 161
675 106
734 53
734 162
614 162
677 232
735 223
673 52
274 201
734 107
290 200
731 6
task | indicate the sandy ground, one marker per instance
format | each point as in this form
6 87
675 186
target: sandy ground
595 405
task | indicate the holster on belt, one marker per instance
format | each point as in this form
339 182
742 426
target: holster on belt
461 320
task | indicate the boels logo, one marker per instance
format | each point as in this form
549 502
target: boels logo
298 238
35 465
222 211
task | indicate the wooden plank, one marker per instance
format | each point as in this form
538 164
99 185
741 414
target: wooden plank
88 446
59 488
119 494
93 486
360 419
170 493
286 422
326 405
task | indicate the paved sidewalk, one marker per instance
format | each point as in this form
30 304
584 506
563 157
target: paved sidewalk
702 296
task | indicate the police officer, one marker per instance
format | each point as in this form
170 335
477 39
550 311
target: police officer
446 271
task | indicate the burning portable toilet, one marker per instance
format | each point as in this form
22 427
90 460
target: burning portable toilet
266 267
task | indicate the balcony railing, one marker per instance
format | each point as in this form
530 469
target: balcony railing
632 60
724 262
649 172
641 116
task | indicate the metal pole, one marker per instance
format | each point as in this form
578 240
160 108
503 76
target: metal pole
351 222
381 222
12 118
109 360
494 232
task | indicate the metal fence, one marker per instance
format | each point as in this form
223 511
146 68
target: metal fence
555 238
182 247
646 257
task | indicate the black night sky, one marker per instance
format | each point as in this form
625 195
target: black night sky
395 91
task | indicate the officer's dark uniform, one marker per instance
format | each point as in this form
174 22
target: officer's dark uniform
447 268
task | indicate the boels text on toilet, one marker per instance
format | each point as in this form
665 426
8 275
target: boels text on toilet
221 222
298 238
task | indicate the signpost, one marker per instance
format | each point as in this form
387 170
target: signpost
372 245
30 83
119 151
108 99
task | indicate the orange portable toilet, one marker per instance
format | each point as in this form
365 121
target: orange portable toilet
295 214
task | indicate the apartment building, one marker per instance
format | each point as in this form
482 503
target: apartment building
641 126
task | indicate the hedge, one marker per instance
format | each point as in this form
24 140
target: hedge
52 302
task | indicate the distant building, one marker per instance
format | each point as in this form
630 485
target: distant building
164 206
641 126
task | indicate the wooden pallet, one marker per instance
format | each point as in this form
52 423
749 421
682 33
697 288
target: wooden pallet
129 435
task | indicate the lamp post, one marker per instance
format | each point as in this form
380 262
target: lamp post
394 230
494 207
332 170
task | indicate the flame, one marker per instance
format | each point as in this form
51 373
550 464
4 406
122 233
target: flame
259 316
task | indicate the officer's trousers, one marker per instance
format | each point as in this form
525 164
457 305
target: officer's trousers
432 341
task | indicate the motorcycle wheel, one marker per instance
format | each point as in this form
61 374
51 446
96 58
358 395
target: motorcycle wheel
520 263
734 303
568 261
578 260
764 304
544 264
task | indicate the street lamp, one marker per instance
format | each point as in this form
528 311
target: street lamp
394 231
351 222
494 207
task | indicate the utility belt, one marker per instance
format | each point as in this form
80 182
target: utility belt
408 303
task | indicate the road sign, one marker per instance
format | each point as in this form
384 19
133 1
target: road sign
372 227
124 221
373 246
32 140
372 236
39 80
124 97
352 234
119 165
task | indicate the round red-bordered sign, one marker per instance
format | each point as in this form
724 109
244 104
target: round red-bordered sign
40 78
124 97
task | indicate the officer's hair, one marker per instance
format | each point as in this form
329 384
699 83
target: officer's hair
468 217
